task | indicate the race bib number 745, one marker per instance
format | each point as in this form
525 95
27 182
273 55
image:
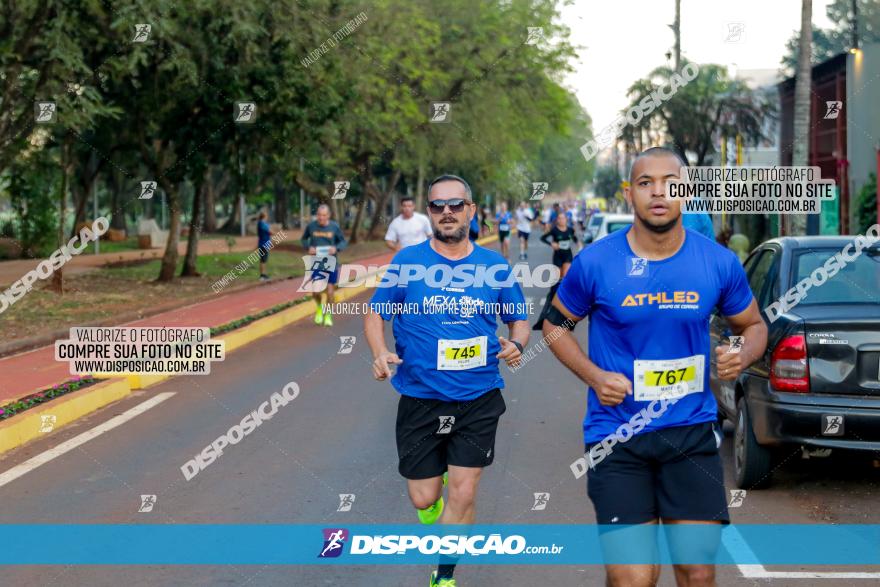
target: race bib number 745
458 355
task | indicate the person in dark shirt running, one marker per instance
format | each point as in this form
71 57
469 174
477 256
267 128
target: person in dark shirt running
324 238
264 243
563 240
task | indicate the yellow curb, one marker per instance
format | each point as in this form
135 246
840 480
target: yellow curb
26 426
268 325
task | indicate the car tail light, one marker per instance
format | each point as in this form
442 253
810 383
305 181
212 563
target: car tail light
789 370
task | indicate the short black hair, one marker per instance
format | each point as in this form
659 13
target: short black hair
406 199
654 152
450 177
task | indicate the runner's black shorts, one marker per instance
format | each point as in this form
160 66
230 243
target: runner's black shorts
432 434
264 254
523 234
503 234
673 473
561 257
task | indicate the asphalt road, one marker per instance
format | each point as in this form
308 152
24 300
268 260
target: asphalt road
338 437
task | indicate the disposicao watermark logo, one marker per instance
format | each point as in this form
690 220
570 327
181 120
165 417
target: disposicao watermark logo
56 261
340 189
346 500
645 107
239 431
823 273
141 33
737 496
334 541
147 503
541 501
638 422
440 111
319 268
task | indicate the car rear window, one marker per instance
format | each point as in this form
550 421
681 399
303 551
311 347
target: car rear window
612 226
856 282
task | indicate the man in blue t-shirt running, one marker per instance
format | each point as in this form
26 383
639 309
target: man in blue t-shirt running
650 438
444 297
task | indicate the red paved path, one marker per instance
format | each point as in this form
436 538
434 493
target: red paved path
37 369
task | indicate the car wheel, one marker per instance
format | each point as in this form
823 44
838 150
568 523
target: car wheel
752 461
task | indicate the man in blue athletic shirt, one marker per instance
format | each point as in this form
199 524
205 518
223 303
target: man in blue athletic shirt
447 353
649 433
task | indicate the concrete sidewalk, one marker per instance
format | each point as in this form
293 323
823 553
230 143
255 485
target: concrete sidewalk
34 370
11 271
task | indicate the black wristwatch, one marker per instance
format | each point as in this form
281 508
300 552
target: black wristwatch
517 345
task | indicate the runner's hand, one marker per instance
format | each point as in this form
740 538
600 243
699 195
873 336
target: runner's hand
509 352
312 250
332 251
381 370
612 388
555 246
729 365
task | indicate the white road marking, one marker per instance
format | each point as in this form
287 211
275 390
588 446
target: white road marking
68 445
757 571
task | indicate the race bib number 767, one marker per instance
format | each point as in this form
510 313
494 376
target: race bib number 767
667 379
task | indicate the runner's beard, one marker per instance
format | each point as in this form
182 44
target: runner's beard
456 237
658 228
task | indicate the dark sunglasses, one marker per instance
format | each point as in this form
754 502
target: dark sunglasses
455 205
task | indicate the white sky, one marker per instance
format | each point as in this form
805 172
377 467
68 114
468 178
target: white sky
623 40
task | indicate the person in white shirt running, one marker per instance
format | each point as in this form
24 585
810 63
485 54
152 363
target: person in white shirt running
409 228
524 217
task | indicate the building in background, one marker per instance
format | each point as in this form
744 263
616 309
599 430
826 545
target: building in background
844 129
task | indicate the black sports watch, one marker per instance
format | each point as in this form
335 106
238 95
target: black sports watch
517 345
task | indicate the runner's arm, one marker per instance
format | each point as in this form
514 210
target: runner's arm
339 237
518 331
374 328
610 388
563 344
751 327
545 238
391 237
307 236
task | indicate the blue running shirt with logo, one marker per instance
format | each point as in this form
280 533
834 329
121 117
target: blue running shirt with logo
448 348
649 320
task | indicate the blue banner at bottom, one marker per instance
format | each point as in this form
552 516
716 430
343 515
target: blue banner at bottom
189 544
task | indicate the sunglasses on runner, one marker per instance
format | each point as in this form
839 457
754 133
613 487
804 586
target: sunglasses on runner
456 205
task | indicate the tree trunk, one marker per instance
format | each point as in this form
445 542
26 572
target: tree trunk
90 168
282 203
676 29
117 219
169 259
58 276
801 145
195 227
381 204
353 236
232 225
420 187
210 206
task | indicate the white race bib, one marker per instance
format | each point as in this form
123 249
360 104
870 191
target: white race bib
322 251
458 355
670 379
503 227
564 245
